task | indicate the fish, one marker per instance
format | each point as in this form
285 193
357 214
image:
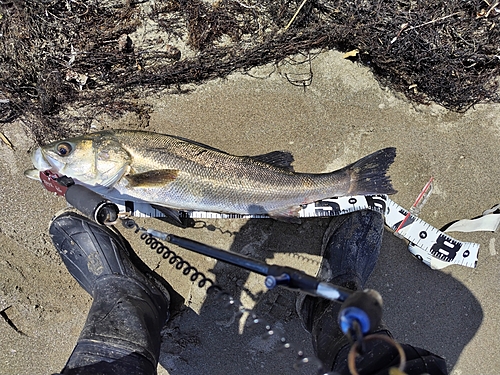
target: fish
180 174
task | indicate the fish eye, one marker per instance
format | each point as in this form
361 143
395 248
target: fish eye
63 149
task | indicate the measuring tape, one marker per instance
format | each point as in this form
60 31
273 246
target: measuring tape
428 244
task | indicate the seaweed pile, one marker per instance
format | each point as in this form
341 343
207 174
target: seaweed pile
67 54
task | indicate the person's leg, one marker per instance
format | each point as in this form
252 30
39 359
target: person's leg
130 305
351 246
350 249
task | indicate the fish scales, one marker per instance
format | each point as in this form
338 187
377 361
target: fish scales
214 177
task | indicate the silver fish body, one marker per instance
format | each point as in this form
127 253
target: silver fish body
185 175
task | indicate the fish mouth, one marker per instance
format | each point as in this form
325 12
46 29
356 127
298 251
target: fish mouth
41 163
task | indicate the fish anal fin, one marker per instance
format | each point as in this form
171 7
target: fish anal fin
287 215
280 159
151 179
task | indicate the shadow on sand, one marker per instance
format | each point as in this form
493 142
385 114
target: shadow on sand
425 308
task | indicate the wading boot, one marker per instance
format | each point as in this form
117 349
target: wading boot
130 304
350 249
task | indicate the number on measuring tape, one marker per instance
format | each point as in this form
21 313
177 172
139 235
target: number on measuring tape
446 248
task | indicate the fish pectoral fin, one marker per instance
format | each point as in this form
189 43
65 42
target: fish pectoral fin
151 179
287 215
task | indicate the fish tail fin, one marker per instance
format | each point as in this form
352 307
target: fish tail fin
368 174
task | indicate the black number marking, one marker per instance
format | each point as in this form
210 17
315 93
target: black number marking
445 248
376 203
129 206
335 207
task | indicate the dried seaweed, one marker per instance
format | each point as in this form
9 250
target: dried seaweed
68 54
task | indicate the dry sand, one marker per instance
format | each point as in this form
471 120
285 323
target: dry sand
342 116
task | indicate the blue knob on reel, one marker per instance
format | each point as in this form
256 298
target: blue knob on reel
363 308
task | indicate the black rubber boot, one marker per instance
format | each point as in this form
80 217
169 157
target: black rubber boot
130 306
351 246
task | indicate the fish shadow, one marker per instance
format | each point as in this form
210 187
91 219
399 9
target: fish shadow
422 307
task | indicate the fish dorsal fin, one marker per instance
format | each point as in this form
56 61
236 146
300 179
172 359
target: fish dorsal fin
280 159
151 179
